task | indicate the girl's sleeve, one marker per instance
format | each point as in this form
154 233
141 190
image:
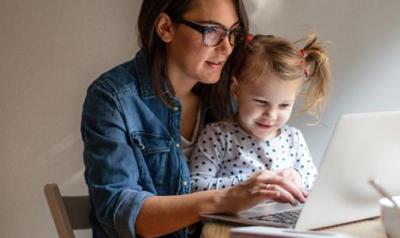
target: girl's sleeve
303 162
206 160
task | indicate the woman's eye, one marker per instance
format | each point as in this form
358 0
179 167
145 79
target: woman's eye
211 29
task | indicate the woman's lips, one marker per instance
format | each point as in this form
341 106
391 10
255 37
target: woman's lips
215 64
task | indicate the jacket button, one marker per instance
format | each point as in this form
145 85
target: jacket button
184 183
175 109
177 145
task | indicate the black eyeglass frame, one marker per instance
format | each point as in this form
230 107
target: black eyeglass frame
204 29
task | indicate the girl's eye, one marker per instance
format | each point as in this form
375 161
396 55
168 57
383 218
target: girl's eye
284 105
259 101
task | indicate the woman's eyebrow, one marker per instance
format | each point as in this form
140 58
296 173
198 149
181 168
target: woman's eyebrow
218 24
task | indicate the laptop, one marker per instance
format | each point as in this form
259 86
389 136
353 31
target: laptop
362 147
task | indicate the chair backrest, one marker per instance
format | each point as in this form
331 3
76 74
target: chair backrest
69 212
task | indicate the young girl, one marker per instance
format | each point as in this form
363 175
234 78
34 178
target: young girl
257 138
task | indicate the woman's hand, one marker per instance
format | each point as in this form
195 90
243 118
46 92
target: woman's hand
265 185
294 176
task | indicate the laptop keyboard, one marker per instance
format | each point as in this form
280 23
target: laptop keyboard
288 217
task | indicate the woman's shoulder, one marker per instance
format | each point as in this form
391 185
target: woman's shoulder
125 78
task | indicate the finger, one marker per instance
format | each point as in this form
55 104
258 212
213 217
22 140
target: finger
268 178
295 190
286 184
261 186
287 173
278 172
285 196
266 194
301 186
305 193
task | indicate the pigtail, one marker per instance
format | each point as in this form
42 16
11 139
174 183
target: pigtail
317 73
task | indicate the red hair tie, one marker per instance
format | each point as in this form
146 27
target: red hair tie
249 38
303 54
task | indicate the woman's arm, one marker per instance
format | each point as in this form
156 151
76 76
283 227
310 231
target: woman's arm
112 171
161 215
164 214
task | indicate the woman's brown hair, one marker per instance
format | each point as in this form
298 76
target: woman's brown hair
215 97
267 54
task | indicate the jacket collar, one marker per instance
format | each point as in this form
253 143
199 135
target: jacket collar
144 81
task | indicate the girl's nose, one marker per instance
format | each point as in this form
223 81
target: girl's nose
271 114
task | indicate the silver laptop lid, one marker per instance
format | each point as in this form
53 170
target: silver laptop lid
363 146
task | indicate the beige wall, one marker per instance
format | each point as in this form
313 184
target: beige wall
50 50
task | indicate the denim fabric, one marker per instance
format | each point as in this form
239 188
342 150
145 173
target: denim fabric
131 148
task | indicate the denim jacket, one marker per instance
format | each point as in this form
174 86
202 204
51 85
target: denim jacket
131 148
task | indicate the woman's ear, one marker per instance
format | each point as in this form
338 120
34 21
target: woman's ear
235 88
164 27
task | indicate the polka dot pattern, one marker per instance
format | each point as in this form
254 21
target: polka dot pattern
225 155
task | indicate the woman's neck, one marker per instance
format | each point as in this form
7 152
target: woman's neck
180 82
183 85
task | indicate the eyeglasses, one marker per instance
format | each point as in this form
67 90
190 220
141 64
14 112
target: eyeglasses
213 35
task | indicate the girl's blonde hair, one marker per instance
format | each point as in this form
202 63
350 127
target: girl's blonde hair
266 54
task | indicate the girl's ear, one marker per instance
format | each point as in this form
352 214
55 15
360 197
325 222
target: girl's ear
164 27
235 88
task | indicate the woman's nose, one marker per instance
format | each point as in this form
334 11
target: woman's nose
225 46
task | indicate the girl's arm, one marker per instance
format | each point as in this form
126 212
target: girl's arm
304 163
207 159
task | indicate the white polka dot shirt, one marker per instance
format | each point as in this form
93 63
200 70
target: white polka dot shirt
225 155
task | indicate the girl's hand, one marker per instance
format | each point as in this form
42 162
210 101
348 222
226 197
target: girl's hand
263 186
294 176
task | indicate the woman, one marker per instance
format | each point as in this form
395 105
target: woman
137 117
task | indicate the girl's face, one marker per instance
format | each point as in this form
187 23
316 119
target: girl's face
188 57
265 105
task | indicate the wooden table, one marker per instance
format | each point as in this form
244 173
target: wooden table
371 228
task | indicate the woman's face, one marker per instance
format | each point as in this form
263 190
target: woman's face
189 59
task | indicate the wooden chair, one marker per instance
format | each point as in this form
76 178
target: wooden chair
69 212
